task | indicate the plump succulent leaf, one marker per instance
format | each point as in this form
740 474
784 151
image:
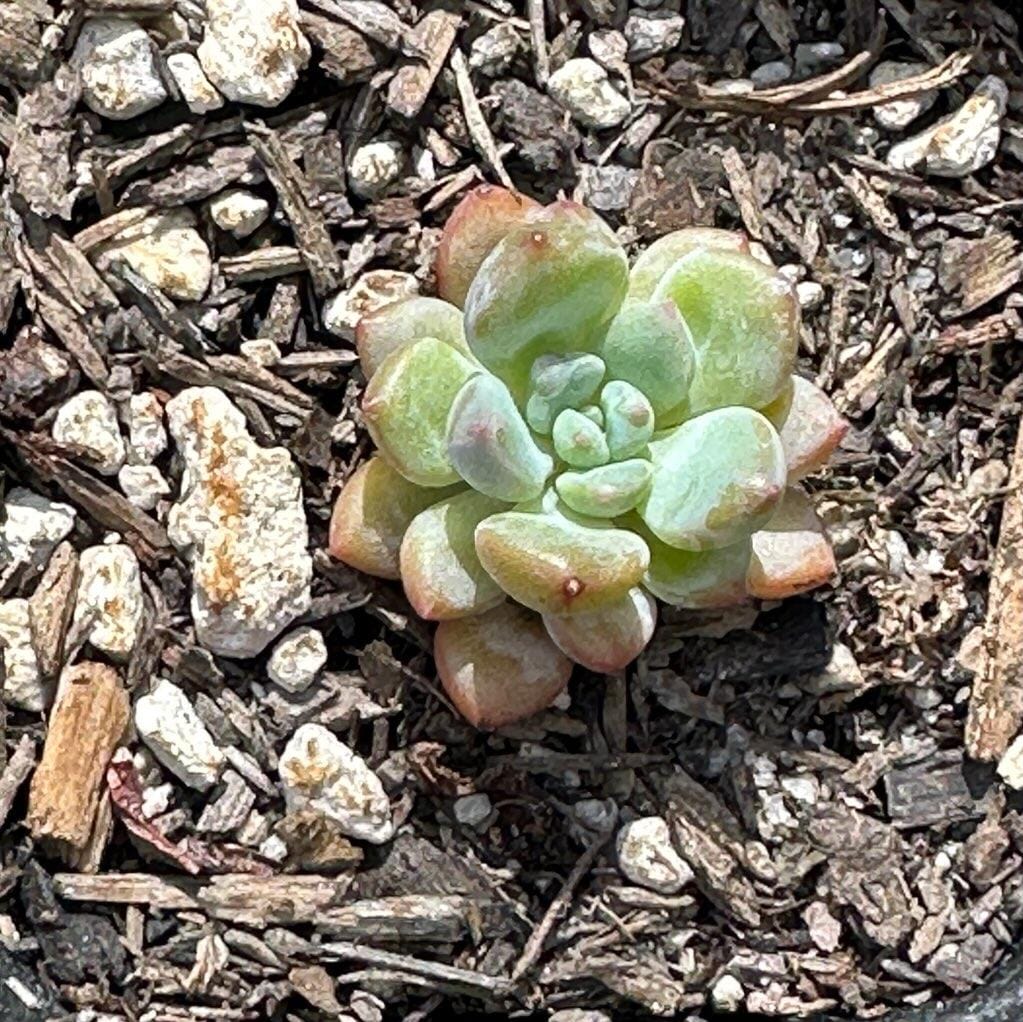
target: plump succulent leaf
475 226
490 445
555 566
549 287
608 639
406 408
653 262
401 323
579 441
594 414
648 345
500 666
371 515
442 575
607 491
557 382
628 419
810 430
743 317
791 554
716 479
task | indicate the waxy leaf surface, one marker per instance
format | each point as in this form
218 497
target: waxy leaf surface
607 491
557 382
653 262
579 441
403 323
628 419
608 639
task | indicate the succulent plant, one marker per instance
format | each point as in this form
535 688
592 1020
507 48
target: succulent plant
562 440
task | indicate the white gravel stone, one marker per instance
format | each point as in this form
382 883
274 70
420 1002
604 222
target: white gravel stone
297 659
961 143
239 211
812 57
651 34
900 113
240 517
197 91
147 436
774 72
647 858
89 421
493 52
117 63
342 312
32 526
143 485
473 810
583 88
167 251
319 772
109 601
374 166
167 722
727 994
1010 769
253 50
262 351
810 295
23 685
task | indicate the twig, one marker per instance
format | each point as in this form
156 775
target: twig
538 37
474 119
19 766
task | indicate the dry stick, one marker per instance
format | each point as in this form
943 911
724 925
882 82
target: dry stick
534 946
538 37
474 119
19 766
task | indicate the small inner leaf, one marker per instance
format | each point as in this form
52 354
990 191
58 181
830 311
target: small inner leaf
490 445
557 382
628 419
607 491
579 441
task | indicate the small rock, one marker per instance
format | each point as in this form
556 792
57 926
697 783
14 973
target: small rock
321 773
647 858
341 314
842 674
473 810
609 48
23 685
31 527
167 251
143 485
33 372
810 295
583 88
493 52
117 63
167 722
734 86
89 421
1010 769
262 351
297 659
900 113
253 50
774 72
609 187
813 57
109 605
196 89
825 929
649 35
543 137
147 437
727 994
239 211
961 143
241 520
374 166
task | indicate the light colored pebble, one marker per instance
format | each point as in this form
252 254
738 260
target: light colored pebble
89 421
651 34
109 604
239 211
262 351
961 143
167 722
727 994
374 166
319 772
147 436
23 684
143 485
841 674
117 63
31 528
900 113
812 57
253 50
342 312
810 295
473 810
825 929
196 89
492 53
167 251
1010 769
241 520
647 857
584 89
297 659
774 72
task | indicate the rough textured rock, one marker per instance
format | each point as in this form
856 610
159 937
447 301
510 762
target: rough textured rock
167 722
374 166
1010 768
196 89
147 437
109 606
341 314
651 34
583 88
167 251
646 856
117 63
239 211
253 50
31 527
23 685
89 421
321 773
143 485
900 113
240 518
297 659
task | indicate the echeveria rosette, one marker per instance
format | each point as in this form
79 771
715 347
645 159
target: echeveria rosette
563 441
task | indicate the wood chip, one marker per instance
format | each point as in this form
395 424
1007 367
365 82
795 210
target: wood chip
411 86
